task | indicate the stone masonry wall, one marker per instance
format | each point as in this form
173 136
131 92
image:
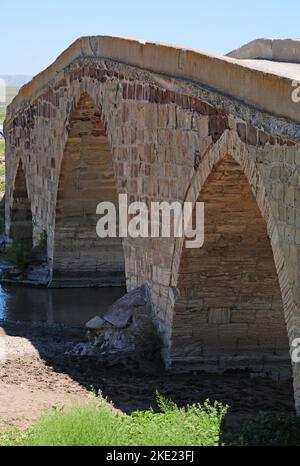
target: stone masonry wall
86 178
229 311
165 137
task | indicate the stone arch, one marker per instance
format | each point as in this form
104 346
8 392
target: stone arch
21 228
254 331
86 178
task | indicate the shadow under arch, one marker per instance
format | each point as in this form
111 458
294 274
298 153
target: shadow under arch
80 257
21 229
213 322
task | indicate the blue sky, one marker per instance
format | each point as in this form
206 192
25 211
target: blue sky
35 32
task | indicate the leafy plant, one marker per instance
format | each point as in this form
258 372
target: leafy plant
269 429
43 241
17 254
96 424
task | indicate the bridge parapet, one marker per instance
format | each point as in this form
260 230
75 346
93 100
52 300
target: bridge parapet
154 122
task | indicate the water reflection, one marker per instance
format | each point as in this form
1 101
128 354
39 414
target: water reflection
71 306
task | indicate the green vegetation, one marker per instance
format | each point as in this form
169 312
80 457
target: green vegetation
2 186
2 216
2 227
2 114
11 92
95 424
43 241
17 254
2 166
268 429
2 148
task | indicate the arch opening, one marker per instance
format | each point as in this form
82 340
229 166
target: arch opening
21 229
86 179
229 313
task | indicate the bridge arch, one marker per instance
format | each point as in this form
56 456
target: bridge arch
86 179
251 322
21 227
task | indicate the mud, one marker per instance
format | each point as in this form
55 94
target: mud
36 375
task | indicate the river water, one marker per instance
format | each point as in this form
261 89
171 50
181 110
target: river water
70 306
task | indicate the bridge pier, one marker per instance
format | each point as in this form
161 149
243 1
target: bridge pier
170 125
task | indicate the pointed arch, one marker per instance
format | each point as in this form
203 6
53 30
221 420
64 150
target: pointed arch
231 309
86 179
21 215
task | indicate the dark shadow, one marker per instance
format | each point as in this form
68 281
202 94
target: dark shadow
21 216
229 311
86 179
132 386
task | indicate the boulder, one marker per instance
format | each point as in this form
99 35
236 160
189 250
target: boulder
127 330
95 324
38 255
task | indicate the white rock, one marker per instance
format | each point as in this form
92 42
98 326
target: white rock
95 323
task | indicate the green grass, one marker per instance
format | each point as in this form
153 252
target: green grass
18 253
268 429
11 92
2 148
2 166
2 114
96 425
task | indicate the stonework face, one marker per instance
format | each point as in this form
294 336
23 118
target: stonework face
21 217
229 311
103 128
86 178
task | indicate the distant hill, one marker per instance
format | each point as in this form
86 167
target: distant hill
15 80
13 84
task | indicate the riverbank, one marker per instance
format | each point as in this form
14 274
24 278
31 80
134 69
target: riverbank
38 373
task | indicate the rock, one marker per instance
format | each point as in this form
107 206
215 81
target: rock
3 241
37 255
127 331
38 274
13 272
95 324
120 313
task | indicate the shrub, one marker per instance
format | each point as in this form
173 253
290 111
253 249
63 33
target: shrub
95 424
17 254
2 225
268 429
43 241
12 438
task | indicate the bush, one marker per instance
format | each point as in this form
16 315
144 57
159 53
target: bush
95 424
12 438
17 254
268 429
43 241
2 225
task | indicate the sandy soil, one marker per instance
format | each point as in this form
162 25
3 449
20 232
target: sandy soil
36 375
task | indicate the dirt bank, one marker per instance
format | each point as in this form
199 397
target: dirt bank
36 374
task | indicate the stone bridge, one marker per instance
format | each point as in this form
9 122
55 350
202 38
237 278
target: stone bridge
161 123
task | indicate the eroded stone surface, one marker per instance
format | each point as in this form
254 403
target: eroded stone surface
126 330
164 136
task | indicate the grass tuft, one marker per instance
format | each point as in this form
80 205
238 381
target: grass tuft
95 424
